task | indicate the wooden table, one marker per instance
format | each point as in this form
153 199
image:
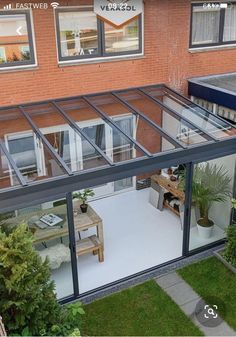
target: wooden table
82 221
87 220
170 186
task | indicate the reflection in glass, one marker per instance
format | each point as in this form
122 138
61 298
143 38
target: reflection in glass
14 46
169 122
122 39
78 33
193 113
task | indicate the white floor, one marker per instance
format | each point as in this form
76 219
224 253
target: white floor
137 236
196 241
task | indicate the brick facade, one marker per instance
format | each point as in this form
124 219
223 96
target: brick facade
166 59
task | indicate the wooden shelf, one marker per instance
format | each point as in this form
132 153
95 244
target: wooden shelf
165 204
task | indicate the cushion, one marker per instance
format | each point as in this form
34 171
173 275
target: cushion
56 255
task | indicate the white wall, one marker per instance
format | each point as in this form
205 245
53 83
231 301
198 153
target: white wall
220 212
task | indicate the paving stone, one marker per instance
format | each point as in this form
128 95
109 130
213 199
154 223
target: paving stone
182 293
168 280
221 330
189 307
187 300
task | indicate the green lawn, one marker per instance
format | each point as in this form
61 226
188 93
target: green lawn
144 310
211 278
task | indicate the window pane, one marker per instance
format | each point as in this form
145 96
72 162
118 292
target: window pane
132 124
169 122
101 132
230 23
29 153
78 33
8 176
14 39
125 38
205 25
66 142
195 114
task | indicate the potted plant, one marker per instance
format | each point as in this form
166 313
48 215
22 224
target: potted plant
83 196
211 183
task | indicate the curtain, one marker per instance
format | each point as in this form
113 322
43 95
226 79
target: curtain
230 24
205 26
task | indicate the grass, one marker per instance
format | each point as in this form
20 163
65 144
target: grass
144 310
210 278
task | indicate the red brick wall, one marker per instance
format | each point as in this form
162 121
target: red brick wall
167 59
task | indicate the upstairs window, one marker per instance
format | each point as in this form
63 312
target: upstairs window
213 24
16 41
81 35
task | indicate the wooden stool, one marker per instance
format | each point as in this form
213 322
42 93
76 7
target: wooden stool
90 244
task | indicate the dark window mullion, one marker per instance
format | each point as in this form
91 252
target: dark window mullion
221 26
102 38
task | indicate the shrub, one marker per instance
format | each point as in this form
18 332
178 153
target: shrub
28 303
230 249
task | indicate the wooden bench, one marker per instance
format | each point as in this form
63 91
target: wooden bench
90 244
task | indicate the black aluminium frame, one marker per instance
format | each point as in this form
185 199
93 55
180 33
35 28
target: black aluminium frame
220 42
62 187
101 52
30 39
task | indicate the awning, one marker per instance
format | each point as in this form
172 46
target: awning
218 89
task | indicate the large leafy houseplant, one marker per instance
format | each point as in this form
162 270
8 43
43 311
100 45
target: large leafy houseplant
211 184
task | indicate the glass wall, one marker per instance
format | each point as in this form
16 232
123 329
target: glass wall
48 223
213 188
130 230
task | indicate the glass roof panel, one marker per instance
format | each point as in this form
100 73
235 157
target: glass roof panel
109 139
31 156
171 123
8 177
132 124
212 124
70 145
50 139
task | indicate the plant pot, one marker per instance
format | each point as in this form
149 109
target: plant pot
84 208
205 232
